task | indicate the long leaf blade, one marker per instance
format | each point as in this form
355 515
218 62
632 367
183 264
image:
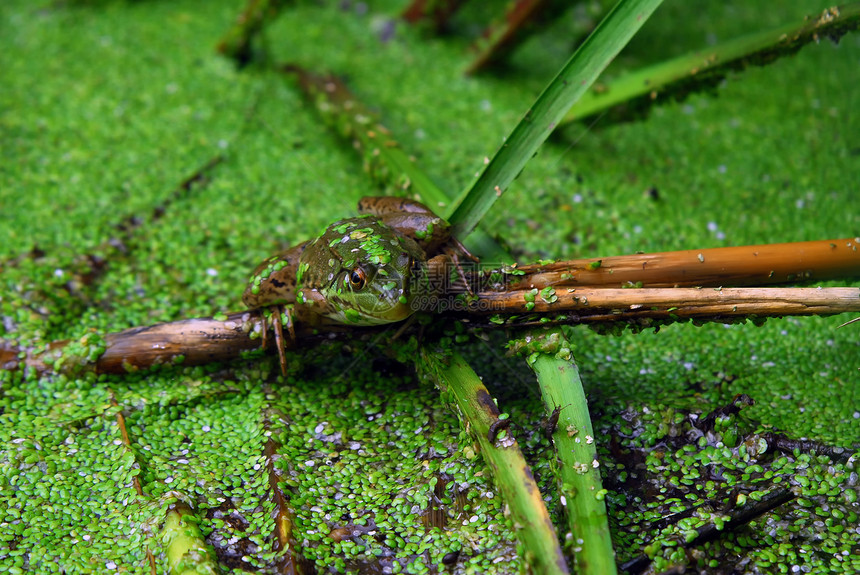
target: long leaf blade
541 119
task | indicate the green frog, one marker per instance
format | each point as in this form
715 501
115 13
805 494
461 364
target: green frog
361 271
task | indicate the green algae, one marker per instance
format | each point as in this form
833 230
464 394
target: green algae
107 108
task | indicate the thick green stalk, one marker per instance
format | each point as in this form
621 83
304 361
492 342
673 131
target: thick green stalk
462 386
578 473
569 85
186 549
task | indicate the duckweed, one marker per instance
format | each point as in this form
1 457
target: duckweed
201 432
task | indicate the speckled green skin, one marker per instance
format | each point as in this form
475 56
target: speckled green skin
386 248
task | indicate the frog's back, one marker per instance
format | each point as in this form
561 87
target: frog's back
410 218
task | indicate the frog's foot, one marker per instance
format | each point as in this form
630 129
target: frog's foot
264 329
439 275
456 252
456 247
283 314
446 277
264 321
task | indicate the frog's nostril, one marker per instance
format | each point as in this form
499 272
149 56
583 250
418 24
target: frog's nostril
415 266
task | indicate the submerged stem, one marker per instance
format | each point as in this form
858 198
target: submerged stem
513 477
578 475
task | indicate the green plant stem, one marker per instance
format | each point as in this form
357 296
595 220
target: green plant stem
577 474
463 388
678 78
580 72
186 549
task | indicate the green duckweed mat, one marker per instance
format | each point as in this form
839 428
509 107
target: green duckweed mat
106 108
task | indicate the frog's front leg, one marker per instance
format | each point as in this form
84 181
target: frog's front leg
282 314
409 218
273 286
279 315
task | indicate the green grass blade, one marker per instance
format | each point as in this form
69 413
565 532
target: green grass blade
678 78
457 381
578 478
541 119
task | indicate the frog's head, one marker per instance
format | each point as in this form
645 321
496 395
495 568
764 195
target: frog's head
365 271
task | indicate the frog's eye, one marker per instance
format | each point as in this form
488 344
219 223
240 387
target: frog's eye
357 278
